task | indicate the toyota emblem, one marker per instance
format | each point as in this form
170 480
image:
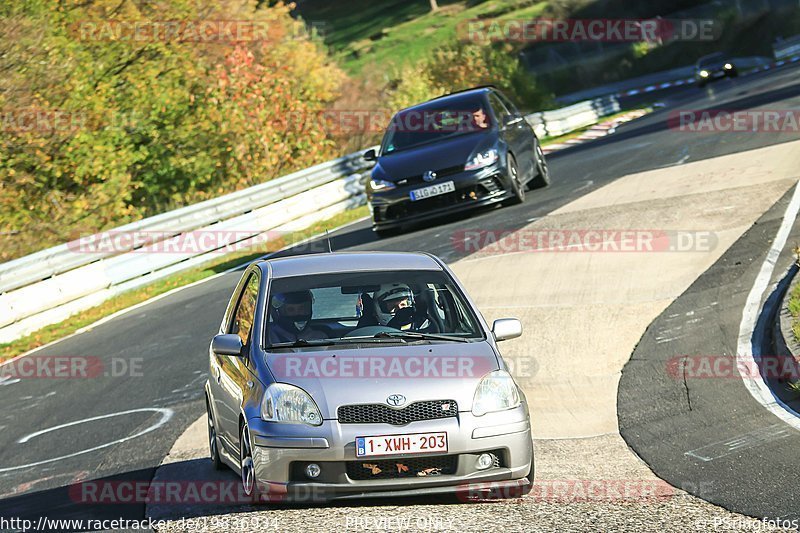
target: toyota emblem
396 400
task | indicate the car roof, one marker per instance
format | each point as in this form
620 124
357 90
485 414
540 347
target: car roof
452 98
711 57
331 263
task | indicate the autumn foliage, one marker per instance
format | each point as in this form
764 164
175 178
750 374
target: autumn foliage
100 127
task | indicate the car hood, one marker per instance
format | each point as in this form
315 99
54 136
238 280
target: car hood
346 375
433 156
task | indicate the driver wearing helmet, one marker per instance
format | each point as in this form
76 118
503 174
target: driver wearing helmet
394 306
290 313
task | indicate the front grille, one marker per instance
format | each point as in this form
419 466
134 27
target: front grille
441 173
383 414
402 468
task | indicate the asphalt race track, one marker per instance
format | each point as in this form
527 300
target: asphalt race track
115 428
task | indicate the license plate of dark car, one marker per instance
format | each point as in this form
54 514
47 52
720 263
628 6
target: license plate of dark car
406 444
433 190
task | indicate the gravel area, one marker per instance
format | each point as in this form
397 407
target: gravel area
580 486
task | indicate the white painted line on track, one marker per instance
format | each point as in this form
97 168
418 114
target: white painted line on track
751 338
166 415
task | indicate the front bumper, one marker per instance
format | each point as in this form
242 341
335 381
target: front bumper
715 74
280 460
474 188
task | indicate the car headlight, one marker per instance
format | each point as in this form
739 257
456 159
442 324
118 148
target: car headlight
496 392
703 73
289 404
381 185
728 66
482 159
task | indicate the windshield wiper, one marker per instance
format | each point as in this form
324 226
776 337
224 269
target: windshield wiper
417 335
302 343
299 343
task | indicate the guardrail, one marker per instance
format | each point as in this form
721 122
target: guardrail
571 118
51 285
786 48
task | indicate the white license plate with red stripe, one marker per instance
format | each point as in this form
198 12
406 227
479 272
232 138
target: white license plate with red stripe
401 444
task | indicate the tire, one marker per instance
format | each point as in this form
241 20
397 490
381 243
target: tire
517 187
542 179
246 464
213 440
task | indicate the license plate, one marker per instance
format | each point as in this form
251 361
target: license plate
433 190
397 444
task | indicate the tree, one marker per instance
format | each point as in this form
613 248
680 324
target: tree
98 130
434 5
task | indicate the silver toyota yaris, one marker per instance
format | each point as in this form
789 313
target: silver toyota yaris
347 375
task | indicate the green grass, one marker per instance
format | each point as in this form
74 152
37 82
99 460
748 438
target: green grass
123 301
393 33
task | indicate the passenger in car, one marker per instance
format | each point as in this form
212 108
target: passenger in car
290 313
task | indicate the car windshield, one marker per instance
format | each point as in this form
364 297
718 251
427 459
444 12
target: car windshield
710 60
389 306
434 122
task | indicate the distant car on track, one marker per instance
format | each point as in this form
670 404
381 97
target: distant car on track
456 152
713 67
347 375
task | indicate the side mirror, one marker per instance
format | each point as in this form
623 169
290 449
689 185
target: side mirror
228 344
506 328
370 155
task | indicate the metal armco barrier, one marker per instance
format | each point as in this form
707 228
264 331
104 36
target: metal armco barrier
49 286
786 48
571 118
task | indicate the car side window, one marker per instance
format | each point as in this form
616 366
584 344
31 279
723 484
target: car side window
499 109
508 104
244 316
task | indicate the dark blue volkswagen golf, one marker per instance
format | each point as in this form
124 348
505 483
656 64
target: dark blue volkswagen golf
460 151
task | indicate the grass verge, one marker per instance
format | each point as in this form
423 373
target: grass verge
794 309
393 33
222 263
